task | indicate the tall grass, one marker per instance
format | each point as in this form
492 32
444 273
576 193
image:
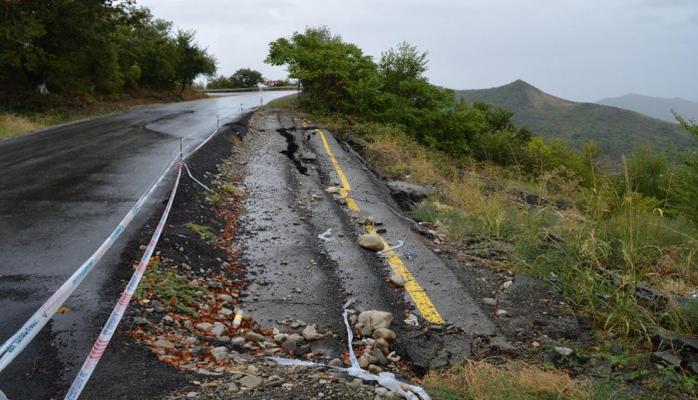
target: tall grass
514 381
598 239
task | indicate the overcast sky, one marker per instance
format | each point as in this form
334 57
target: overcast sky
578 49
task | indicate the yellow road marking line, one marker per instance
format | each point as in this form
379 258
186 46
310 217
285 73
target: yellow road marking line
413 288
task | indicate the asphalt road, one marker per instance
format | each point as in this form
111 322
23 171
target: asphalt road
62 191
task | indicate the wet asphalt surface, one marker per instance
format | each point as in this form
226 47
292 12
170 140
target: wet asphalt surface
62 191
293 274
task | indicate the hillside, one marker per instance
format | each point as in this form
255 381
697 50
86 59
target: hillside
618 131
655 107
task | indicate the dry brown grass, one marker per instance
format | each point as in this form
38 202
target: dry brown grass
12 125
481 380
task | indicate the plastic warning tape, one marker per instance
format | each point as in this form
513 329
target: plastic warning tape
105 336
19 341
13 346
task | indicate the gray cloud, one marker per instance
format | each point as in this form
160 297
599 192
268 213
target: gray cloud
579 49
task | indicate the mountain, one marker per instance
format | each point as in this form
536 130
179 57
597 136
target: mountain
619 132
655 107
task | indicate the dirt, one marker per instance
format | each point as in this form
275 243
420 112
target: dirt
536 314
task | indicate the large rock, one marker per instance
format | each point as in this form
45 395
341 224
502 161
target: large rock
250 381
407 195
375 319
311 333
371 241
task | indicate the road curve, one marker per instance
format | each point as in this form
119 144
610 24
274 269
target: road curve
62 191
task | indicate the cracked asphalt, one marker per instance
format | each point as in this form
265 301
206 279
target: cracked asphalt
62 191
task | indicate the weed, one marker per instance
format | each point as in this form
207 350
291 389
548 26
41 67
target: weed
204 232
170 288
480 380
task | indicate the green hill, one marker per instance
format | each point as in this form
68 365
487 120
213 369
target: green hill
618 131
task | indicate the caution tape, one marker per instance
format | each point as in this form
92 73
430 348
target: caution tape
105 336
385 379
13 346
19 341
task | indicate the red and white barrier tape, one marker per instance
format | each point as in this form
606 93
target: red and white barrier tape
13 346
105 336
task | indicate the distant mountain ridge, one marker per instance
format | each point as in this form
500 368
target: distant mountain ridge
619 132
656 107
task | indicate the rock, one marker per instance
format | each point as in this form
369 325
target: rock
506 285
489 301
364 361
370 241
254 337
374 369
384 333
192 395
297 324
279 338
140 321
225 297
333 189
220 353
232 387
225 311
378 356
396 280
203 326
407 195
218 329
383 345
375 319
564 351
366 331
502 313
250 381
295 337
237 341
335 363
310 333
289 345
274 380
157 306
667 357
164 344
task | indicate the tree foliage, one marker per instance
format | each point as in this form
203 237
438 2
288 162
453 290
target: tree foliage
242 78
91 47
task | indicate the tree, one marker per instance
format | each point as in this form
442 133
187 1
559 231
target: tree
192 60
67 48
401 64
324 65
246 77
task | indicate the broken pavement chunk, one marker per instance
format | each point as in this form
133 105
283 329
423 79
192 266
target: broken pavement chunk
371 241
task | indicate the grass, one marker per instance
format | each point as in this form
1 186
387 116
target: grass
13 124
600 242
481 380
70 110
204 232
171 289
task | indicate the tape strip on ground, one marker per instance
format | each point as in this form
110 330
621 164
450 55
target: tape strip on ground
109 328
12 347
385 379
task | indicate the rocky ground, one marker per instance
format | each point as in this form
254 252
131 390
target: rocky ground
230 288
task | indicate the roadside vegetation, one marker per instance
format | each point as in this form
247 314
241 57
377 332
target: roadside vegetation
620 246
242 78
62 59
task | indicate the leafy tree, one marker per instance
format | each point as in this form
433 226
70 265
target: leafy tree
192 60
91 47
246 77
324 65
